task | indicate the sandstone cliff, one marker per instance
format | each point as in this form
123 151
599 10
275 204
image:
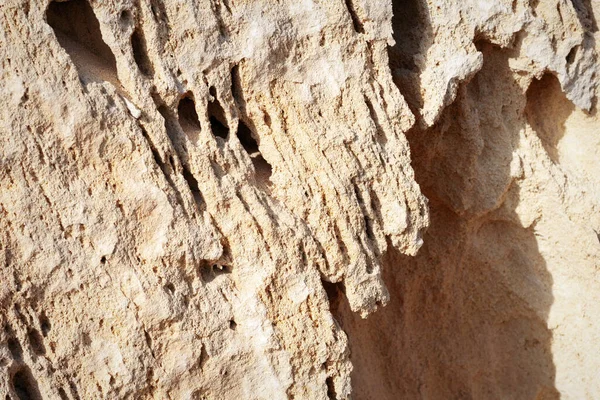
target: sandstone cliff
206 199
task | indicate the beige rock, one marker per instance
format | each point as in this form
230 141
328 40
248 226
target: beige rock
201 199
178 179
503 299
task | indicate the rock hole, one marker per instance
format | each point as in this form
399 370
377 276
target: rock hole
74 391
36 342
140 53
246 138
203 357
103 260
150 375
335 293
221 269
340 240
15 349
267 120
585 14
218 129
173 127
188 117
170 288
78 32
125 17
572 54
216 116
262 168
358 26
330 388
186 110
62 394
209 272
232 324
369 228
25 386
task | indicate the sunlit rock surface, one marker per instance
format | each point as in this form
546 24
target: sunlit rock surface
206 199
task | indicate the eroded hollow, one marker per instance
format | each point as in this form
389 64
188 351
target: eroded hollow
188 117
413 35
262 168
216 115
62 394
25 385
208 272
244 134
140 53
547 110
15 349
36 342
78 31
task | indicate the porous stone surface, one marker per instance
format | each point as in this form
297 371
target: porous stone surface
502 301
205 199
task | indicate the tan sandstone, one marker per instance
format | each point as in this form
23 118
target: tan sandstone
247 199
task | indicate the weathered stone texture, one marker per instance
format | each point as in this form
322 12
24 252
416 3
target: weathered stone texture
203 199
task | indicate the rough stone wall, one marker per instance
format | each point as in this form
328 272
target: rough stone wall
502 301
177 180
203 199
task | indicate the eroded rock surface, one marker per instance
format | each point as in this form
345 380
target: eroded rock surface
502 300
204 199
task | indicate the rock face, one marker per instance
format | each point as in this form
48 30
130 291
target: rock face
502 301
204 199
